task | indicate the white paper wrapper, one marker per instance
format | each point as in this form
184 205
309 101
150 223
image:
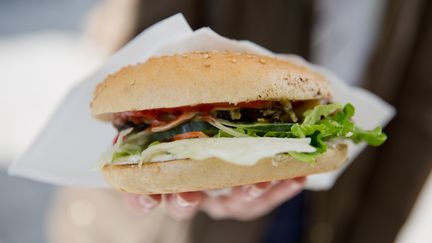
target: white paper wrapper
68 148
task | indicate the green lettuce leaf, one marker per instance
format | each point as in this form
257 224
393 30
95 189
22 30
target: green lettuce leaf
322 123
129 144
320 111
373 137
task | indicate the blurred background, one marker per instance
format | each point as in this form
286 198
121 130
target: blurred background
47 46
42 54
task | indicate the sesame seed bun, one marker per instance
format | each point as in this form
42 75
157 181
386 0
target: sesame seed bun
205 77
197 175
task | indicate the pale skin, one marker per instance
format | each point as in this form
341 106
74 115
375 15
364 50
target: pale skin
244 203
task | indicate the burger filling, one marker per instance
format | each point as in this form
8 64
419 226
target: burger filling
242 133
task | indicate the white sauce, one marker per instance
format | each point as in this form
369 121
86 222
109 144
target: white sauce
242 151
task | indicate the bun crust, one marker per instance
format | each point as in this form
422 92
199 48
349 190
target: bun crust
205 77
196 175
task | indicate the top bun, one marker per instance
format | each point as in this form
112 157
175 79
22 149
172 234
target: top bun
205 77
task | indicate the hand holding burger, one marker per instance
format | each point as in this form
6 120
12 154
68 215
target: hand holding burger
242 203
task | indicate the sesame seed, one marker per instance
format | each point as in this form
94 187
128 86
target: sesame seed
132 83
262 61
184 55
207 65
206 56
234 60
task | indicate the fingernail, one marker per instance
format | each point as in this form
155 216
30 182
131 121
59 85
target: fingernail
254 192
182 202
147 202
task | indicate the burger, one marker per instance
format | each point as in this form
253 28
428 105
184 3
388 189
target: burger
207 120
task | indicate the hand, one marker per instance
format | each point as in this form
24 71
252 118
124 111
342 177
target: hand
244 202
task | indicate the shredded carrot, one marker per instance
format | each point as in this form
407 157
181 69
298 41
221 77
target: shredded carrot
190 135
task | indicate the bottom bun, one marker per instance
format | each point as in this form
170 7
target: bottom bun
196 175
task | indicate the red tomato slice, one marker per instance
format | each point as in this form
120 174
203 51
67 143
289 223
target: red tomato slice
159 118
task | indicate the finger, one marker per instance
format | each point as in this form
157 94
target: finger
280 193
184 205
264 204
251 192
236 207
189 199
142 204
237 203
